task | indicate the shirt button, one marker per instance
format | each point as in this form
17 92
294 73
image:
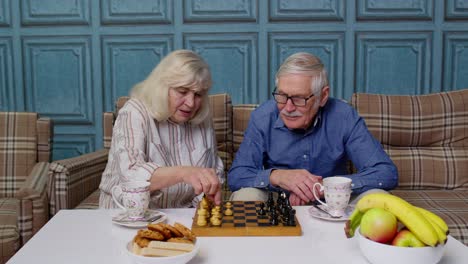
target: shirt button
380 184
262 183
305 156
352 184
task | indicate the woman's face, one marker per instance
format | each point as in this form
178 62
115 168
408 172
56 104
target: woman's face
184 103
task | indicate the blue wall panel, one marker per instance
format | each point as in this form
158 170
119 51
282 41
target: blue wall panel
395 9
305 10
58 78
7 88
395 62
55 12
128 61
71 59
456 54
136 12
5 13
456 9
233 62
222 11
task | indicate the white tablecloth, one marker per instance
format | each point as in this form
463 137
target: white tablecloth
88 236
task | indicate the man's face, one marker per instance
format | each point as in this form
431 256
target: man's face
299 117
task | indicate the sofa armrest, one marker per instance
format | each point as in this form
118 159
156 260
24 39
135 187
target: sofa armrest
34 212
72 180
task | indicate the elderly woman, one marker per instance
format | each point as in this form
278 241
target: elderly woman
164 135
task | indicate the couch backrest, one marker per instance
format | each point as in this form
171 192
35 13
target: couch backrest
426 136
24 140
240 120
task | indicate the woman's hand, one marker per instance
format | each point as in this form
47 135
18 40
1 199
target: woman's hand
203 180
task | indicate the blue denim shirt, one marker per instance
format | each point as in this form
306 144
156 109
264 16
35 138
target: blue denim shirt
338 133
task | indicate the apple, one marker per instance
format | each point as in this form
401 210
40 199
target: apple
379 225
405 238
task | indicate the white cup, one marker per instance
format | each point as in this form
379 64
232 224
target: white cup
133 197
337 191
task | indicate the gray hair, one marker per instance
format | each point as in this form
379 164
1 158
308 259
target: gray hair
180 68
306 64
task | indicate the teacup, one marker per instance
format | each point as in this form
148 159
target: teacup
337 191
133 197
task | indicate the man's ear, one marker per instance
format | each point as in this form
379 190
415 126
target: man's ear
324 95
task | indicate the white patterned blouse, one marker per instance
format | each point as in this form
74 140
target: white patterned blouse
141 144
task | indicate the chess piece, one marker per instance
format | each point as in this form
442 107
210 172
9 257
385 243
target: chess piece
261 211
270 203
273 218
291 219
201 221
215 221
228 212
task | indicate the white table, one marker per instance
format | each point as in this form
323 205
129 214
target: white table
88 236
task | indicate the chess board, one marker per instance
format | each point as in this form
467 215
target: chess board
245 222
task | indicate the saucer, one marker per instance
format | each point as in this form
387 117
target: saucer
314 212
122 219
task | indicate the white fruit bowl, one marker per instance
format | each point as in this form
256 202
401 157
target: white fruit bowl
179 259
378 253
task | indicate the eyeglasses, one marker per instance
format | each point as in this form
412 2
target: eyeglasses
296 100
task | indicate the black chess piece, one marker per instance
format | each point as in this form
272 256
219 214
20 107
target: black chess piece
273 218
270 204
292 218
261 211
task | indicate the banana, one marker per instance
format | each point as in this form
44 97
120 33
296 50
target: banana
440 233
435 218
405 213
353 223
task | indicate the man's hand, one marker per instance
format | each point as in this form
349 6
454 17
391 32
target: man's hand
299 182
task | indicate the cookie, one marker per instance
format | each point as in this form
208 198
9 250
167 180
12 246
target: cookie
185 231
161 229
141 241
174 231
155 235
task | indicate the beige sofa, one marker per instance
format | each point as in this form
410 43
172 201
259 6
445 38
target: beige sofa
416 131
25 144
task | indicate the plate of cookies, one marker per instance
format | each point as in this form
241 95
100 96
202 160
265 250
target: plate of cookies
163 243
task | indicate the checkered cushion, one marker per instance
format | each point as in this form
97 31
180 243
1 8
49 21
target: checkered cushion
91 202
451 205
240 120
18 150
426 136
9 231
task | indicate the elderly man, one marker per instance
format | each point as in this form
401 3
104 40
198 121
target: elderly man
303 136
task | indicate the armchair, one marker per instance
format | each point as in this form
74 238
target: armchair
25 144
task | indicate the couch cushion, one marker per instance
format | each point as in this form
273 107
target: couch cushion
18 149
450 205
9 232
240 120
425 135
91 202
